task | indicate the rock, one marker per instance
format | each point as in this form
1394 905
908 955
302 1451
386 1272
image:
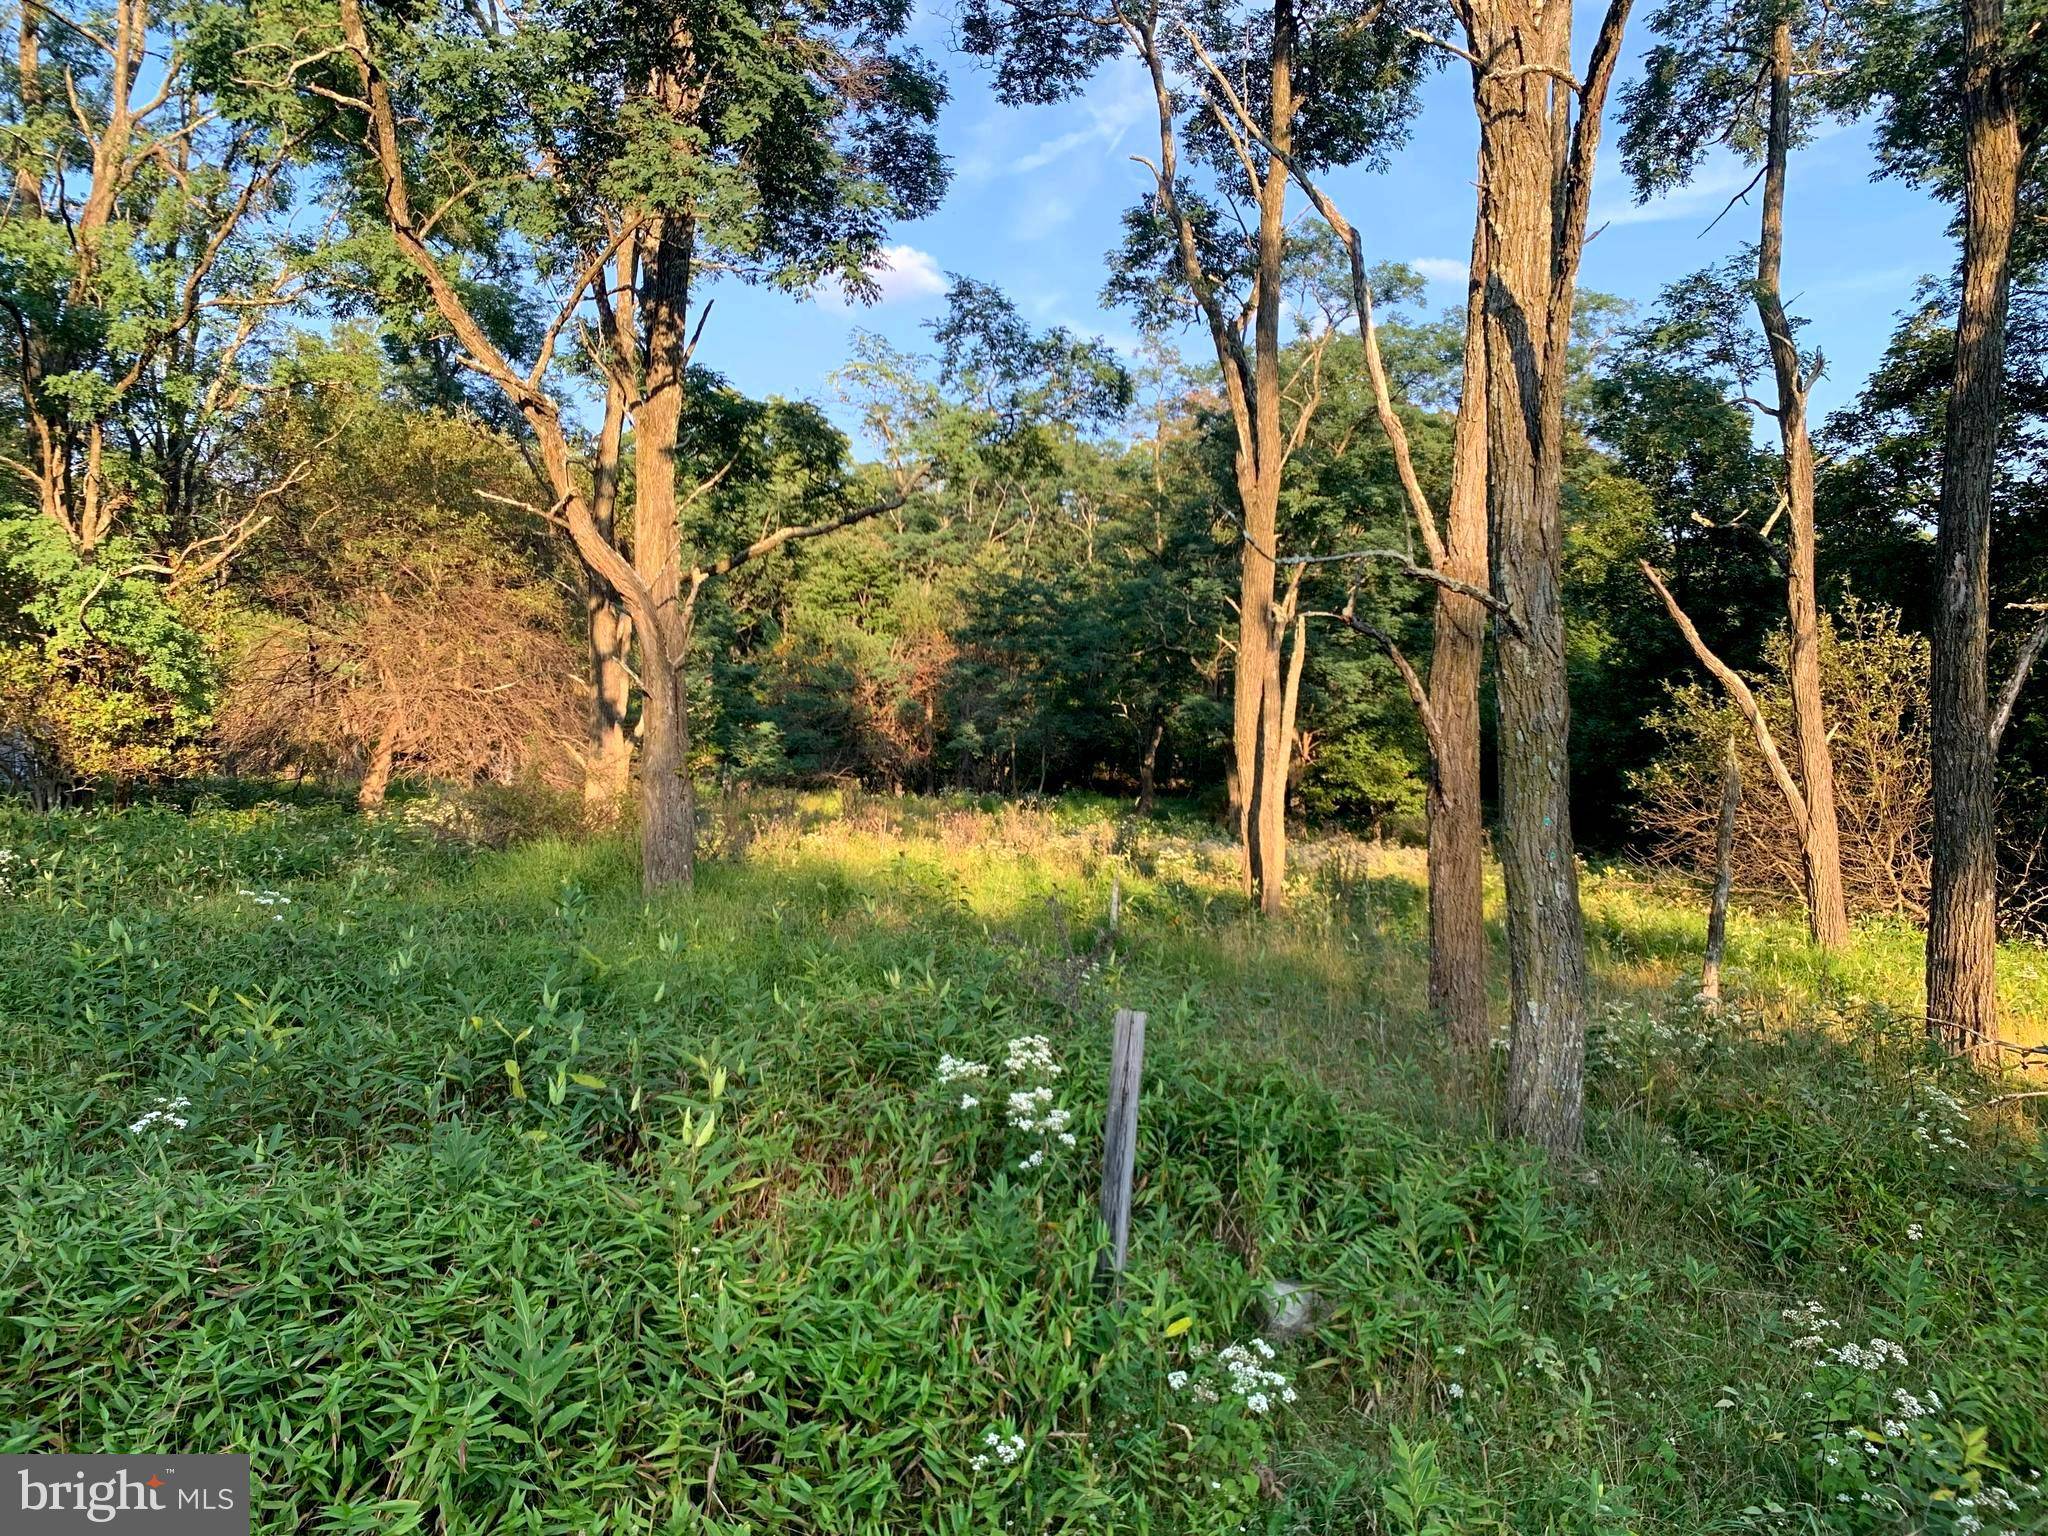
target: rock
1292 1309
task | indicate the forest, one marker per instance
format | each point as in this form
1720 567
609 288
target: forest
561 907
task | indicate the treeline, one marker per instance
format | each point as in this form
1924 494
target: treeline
361 421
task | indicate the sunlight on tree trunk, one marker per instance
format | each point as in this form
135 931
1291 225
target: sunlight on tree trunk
1962 998
1536 168
1826 907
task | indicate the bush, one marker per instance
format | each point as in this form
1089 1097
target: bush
1874 691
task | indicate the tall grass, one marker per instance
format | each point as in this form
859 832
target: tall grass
504 1199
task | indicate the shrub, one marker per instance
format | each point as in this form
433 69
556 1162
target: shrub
1874 690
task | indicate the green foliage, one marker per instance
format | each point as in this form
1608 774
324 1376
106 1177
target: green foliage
100 670
503 1198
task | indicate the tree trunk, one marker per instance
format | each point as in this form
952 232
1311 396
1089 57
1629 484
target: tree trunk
1724 876
1148 769
1820 838
609 769
1962 1001
377 775
1268 796
1535 177
668 801
1457 836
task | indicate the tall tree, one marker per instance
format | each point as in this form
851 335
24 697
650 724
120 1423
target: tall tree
1455 551
1539 135
1214 248
143 255
1746 73
1964 104
603 154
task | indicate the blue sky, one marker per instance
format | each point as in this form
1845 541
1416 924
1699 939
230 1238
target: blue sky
1037 193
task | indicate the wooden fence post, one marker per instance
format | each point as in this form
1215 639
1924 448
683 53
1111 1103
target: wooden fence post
1724 878
1120 1142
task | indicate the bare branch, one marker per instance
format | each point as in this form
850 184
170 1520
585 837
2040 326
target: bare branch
768 543
2009 696
1432 728
1739 692
1408 567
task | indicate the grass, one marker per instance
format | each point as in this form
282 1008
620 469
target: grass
505 1200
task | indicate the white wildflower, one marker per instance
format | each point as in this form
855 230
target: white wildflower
953 1069
1031 1056
167 1112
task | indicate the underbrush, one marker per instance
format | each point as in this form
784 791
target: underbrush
471 1192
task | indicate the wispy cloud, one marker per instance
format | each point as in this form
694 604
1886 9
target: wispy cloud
1442 269
1112 111
1701 198
902 273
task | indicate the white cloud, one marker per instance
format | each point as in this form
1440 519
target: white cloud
1442 269
1113 109
1702 198
905 272
900 273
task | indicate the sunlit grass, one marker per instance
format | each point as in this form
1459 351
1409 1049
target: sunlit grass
512 1199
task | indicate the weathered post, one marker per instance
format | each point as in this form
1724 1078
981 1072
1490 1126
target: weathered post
1724 878
1120 1143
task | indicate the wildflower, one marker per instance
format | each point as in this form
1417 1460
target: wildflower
1176 1379
1868 1357
165 1113
1029 1056
1258 1402
1001 1448
968 1101
1035 1160
1456 1389
954 1068
1026 1105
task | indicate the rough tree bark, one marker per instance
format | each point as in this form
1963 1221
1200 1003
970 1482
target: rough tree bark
1821 839
1457 834
1724 876
1252 388
1962 914
1536 171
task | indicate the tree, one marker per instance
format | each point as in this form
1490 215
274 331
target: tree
1216 252
142 256
1747 73
603 154
1455 553
145 255
1963 108
1539 134
1874 682
403 619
